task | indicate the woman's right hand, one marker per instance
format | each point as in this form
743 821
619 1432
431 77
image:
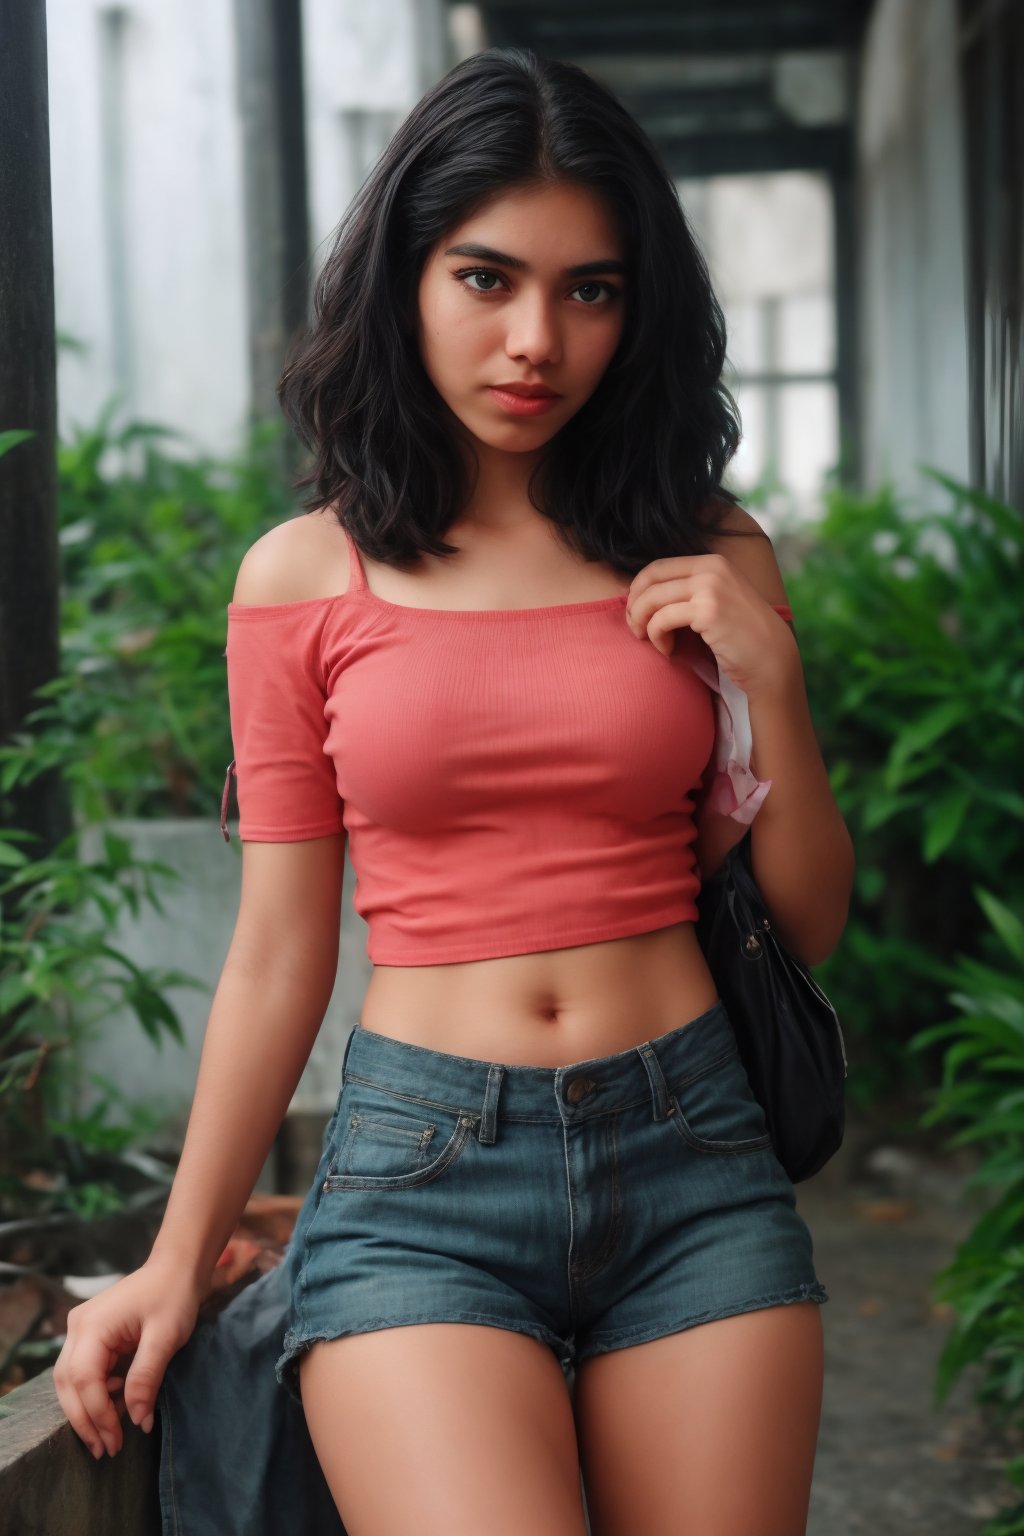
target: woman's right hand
150 1314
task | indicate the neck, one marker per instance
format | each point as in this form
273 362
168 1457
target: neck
499 501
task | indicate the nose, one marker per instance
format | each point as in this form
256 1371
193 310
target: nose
533 331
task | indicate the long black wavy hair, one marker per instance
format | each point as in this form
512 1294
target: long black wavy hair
636 473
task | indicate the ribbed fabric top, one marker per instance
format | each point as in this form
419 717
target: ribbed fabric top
510 780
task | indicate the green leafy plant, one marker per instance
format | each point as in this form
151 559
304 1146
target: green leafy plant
136 722
12 438
137 719
982 1087
60 978
910 635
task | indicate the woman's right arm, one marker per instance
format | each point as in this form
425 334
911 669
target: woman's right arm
267 1010
268 1007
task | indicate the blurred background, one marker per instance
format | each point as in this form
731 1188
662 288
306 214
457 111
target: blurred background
171 177
828 152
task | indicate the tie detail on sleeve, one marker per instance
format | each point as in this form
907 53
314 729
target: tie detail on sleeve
224 801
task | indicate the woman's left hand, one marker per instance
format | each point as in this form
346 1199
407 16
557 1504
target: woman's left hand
753 645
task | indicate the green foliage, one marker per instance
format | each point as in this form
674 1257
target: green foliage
136 724
982 1088
137 719
913 650
11 439
909 629
60 978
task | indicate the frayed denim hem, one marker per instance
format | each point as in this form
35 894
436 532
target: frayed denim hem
605 1344
286 1369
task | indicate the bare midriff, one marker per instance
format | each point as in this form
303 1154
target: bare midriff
548 1009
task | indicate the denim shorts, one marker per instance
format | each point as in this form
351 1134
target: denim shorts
591 1206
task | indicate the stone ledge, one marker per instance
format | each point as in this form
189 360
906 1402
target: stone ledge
49 1482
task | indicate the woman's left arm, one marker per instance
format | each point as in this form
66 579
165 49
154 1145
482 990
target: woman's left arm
800 847
801 850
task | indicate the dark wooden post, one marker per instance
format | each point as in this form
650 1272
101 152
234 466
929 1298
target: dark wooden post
29 550
271 102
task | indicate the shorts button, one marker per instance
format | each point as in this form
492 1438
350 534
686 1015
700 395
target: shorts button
578 1089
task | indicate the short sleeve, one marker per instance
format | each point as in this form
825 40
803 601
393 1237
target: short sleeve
285 780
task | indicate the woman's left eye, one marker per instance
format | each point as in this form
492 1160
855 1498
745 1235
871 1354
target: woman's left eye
612 293
460 277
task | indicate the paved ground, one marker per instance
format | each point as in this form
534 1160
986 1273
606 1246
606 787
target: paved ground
885 1218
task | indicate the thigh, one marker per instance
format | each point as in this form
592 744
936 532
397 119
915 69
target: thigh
711 1431
449 1428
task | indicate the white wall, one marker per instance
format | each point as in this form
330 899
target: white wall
365 66
145 152
147 213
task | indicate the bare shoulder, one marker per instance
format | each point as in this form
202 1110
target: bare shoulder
304 557
751 552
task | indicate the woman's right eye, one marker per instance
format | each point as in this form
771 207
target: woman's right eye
460 277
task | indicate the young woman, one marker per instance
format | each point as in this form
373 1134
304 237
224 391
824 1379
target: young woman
482 654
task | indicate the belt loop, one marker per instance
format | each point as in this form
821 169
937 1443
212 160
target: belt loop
348 1047
489 1118
659 1087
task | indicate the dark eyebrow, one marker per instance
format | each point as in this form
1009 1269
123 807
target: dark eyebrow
485 253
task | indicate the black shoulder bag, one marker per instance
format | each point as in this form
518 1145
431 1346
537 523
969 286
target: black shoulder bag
789 1037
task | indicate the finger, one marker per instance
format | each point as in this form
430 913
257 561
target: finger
664 569
670 568
145 1375
641 609
90 1371
115 1386
68 1379
101 1409
80 1422
661 625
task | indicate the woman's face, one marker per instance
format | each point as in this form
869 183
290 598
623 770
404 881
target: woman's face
519 315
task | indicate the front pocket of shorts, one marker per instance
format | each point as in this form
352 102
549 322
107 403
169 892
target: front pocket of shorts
718 1111
388 1142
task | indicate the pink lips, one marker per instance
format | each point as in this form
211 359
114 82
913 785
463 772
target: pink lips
522 405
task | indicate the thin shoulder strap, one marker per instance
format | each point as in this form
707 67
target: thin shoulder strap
356 574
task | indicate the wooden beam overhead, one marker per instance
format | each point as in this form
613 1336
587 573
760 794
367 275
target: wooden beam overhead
740 154
751 107
598 27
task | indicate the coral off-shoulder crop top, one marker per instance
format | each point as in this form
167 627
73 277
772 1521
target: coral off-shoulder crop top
510 780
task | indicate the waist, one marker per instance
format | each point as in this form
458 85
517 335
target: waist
572 1092
547 1009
